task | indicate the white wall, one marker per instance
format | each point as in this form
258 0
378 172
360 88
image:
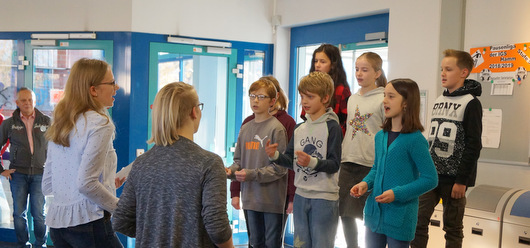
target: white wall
240 20
490 22
65 15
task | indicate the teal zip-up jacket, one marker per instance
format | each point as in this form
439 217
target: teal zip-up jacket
406 167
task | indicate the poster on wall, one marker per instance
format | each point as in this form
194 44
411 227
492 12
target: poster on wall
501 65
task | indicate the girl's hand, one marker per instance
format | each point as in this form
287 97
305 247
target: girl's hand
386 197
271 149
235 202
359 189
289 208
241 175
228 172
302 158
118 182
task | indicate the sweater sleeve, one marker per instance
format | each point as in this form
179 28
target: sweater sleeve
428 178
93 162
124 218
331 164
286 159
472 124
369 179
214 211
46 184
236 165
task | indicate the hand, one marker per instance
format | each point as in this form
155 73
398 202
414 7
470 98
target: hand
459 191
289 209
386 197
302 158
271 149
235 202
119 181
359 189
7 173
241 175
228 172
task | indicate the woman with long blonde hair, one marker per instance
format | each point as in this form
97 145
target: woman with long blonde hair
81 165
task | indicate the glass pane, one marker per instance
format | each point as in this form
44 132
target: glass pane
8 76
209 75
51 68
305 54
253 70
349 57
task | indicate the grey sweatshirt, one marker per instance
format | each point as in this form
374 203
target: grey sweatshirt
175 196
322 140
265 186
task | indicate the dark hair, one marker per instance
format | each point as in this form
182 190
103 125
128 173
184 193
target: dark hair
463 59
336 71
377 63
410 92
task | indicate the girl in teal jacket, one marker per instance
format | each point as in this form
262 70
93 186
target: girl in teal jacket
403 170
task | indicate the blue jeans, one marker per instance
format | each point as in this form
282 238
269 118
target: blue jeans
265 229
377 240
95 234
315 222
23 185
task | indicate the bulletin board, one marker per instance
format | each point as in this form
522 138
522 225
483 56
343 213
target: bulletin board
502 71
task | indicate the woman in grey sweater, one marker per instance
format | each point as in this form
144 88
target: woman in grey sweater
175 195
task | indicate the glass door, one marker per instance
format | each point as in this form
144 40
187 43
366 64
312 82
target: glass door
49 67
210 74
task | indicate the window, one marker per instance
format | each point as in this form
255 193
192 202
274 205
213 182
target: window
8 76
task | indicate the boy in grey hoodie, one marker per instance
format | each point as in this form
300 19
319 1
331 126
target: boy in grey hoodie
314 154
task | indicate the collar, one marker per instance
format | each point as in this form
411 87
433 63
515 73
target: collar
31 116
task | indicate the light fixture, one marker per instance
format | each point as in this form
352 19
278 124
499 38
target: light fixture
85 36
373 39
43 42
208 43
218 50
50 36
370 42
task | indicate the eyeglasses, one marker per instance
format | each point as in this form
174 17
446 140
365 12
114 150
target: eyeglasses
113 83
260 97
201 106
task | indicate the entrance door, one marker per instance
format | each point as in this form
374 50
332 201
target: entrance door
49 67
210 74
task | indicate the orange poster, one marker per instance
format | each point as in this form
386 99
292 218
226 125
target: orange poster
502 58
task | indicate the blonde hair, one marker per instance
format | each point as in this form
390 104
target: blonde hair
282 101
77 99
319 83
377 64
171 109
463 59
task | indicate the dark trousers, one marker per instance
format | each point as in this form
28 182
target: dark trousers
95 234
453 214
